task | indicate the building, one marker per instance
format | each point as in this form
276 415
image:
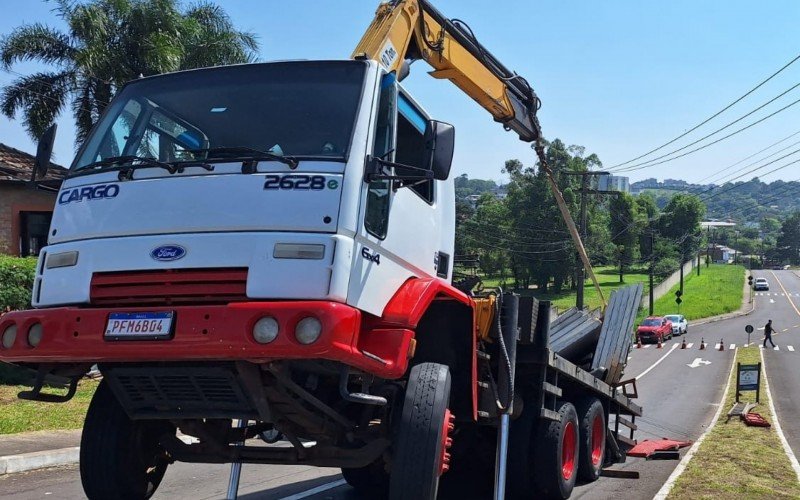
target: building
613 183
25 207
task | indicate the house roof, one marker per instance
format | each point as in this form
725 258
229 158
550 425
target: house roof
17 166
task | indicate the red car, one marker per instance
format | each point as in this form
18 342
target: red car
654 329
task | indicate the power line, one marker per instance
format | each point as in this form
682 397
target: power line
752 155
645 163
630 169
711 117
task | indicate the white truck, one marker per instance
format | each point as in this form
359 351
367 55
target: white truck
273 244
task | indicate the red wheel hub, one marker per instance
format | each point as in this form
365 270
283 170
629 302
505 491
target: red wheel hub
598 438
448 425
568 451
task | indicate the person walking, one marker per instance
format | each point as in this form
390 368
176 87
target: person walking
768 334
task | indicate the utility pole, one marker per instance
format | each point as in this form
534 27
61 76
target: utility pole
580 277
652 266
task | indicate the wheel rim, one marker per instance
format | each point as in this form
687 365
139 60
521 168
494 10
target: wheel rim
597 440
448 425
568 451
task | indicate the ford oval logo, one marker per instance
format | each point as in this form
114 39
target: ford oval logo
166 253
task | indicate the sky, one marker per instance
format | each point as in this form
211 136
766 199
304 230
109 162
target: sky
616 77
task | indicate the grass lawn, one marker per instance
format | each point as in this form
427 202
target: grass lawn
18 415
736 461
718 290
608 277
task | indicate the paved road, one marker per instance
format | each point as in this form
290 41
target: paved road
679 402
783 365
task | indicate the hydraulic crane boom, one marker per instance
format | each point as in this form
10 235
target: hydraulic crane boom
407 30
404 31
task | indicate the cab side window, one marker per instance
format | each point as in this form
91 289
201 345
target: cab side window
411 125
379 192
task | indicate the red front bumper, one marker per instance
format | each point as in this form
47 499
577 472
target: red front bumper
223 332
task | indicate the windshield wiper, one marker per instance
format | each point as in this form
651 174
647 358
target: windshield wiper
118 161
245 153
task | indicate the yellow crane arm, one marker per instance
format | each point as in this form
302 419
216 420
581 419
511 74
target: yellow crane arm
407 30
404 31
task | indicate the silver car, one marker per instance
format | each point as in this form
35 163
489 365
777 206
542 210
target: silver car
679 324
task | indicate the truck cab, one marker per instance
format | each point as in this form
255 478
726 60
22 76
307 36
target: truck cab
304 220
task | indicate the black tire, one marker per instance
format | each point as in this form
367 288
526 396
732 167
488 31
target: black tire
593 428
557 454
370 482
120 458
417 460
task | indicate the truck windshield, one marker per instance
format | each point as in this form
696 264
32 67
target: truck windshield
298 109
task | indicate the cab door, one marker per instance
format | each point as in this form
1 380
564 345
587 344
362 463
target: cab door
400 235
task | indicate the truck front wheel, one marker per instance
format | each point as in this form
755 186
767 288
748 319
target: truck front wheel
120 458
420 455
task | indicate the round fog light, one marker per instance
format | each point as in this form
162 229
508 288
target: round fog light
35 334
265 330
308 330
9 336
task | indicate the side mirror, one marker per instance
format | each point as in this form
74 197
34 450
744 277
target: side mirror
439 145
44 151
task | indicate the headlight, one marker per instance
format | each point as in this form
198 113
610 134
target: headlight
63 259
9 336
308 330
266 330
35 334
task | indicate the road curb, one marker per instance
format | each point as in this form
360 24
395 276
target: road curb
38 460
668 485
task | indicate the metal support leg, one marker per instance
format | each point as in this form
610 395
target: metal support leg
510 313
236 471
501 460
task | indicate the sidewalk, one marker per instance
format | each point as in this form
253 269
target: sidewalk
36 450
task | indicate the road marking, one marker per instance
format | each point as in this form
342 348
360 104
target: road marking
776 348
646 346
667 487
791 348
697 362
689 345
787 298
314 491
674 346
771 301
785 330
777 424
733 346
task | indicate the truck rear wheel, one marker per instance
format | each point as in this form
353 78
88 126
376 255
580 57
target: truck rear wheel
120 458
556 454
420 456
592 439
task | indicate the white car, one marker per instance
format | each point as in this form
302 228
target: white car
679 324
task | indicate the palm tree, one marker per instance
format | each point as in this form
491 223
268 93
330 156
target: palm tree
108 43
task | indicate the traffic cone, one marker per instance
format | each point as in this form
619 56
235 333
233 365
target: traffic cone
702 344
638 343
659 343
683 344
721 345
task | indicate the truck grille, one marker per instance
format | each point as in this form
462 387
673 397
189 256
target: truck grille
174 392
169 286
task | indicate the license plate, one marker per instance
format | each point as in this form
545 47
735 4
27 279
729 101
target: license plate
141 325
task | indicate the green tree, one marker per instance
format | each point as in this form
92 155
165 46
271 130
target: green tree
680 222
108 43
623 229
788 244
